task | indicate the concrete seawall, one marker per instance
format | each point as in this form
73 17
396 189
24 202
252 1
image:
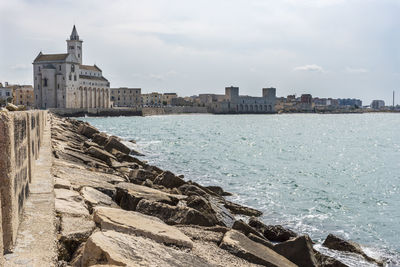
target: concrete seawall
21 136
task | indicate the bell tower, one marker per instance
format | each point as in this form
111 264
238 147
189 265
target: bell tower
74 45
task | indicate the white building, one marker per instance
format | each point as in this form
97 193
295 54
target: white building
62 81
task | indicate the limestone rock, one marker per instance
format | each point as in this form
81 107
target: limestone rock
114 143
189 190
87 130
130 222
62 184
218 190
100 154
73 232
140 175
260 240
120 249
337 243
298 250
128 195
169 180
175 214
93 197
100 138
327 261
238 244
11 107
243 227
275 233
242 210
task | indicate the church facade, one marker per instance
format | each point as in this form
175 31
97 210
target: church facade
62 81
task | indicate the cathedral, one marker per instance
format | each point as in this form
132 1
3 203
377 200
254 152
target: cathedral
62 81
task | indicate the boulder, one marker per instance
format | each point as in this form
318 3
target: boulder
73 232
238 244
100 154
260 240
218 190
140 175
114 143
201 233
11 107
128 195
62 184
298 250
243 227
242 210
189 190
130 222
169 180
113 248
71 207
275 233
88 144
93 197
327 261
87 130
100 138
175 214
224 216
337 243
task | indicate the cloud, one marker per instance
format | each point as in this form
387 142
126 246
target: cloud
310 68
356 70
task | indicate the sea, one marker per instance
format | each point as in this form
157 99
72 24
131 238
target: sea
313 173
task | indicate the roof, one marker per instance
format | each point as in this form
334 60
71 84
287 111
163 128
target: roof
88 67
74 34
50 57
93 78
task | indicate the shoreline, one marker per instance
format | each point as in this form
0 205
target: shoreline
209 204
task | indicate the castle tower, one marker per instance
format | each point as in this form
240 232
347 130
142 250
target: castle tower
74 45
231 93
269 93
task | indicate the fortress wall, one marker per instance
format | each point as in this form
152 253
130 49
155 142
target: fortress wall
21 136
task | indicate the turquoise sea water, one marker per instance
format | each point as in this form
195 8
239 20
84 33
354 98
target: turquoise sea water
316 174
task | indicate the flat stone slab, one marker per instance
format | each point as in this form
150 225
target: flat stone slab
128 195
240 245
114 248
94 197
71 207
130 222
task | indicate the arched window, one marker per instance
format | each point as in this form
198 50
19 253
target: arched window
45 82
72 68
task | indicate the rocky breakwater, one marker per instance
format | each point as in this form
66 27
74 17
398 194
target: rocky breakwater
114 209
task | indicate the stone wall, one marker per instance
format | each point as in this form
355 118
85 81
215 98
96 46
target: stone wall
21 135
172 110
96 112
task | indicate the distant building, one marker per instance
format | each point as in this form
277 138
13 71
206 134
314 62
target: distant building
181 102
232 102
153 99
6 93
24 95
167 98
306 99
350 102
126 97
377 104
62 81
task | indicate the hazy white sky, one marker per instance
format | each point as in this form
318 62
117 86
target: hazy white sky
329 48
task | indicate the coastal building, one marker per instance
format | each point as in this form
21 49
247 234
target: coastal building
167 98
6 94
377 104
232 102
153 99
62 81
24 95
126 97
181 102
350 102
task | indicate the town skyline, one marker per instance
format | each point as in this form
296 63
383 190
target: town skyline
156 48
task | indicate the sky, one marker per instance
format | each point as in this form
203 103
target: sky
329 48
